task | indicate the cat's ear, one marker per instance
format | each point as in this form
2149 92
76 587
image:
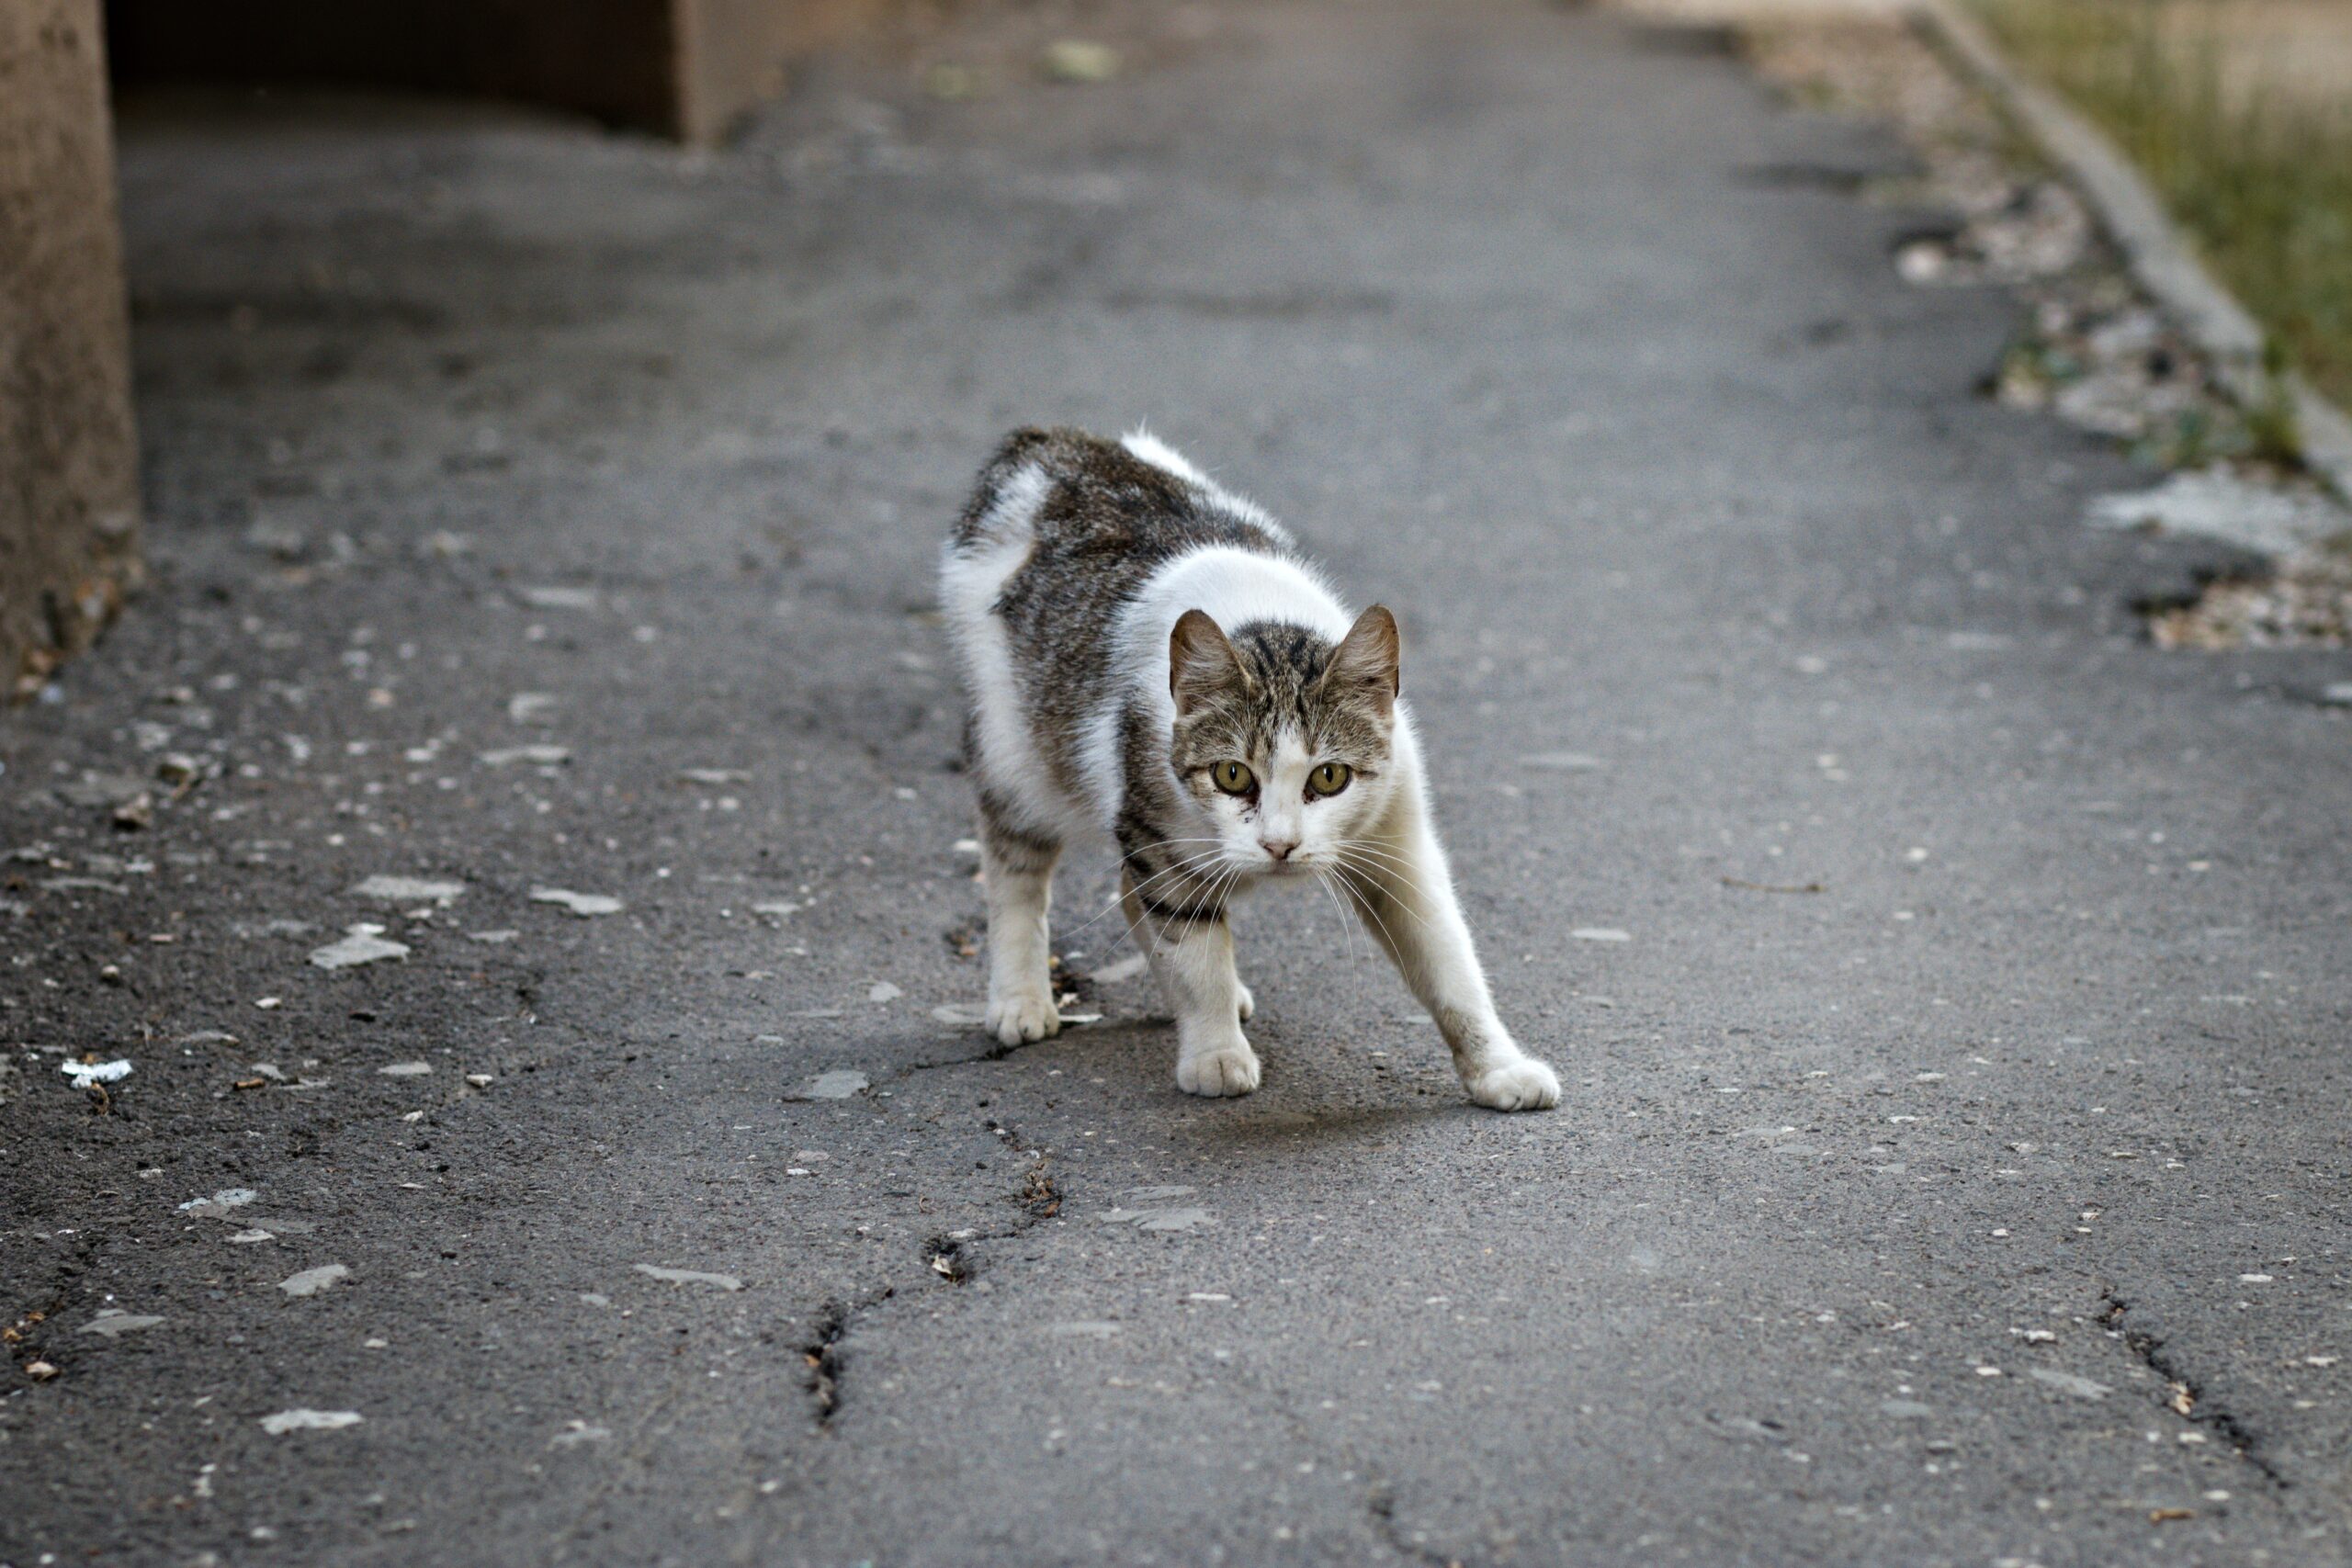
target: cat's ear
1367 659
1200 662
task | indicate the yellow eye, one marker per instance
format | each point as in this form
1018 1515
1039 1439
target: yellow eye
1233 778
1329 779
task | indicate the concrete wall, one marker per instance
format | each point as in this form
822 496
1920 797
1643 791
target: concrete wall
68 453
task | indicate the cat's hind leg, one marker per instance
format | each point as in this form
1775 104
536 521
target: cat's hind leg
1191 954
1018 866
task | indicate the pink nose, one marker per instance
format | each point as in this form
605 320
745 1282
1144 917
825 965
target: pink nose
1278 847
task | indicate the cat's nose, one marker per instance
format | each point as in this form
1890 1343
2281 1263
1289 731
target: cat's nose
1278 847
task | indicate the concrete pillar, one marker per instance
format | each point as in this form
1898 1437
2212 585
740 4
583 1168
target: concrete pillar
68 459
733 54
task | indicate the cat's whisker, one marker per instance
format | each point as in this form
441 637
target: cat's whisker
1364 907
1387 863
1119 899
1215 899
1379 854
1190 863
1346 927
1377 875
1370 908
1213 906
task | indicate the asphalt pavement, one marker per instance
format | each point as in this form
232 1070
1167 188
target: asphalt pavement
1949 988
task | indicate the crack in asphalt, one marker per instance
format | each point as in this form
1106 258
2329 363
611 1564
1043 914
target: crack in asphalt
1038 1199
2189 1398
1382 1503
996 1053
948 1256
826 1359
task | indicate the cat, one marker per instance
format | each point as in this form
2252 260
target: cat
1149 658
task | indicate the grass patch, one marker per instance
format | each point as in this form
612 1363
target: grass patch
2262 179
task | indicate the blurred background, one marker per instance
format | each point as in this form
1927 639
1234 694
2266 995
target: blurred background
2236 109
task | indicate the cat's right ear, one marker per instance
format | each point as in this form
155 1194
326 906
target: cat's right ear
1200 662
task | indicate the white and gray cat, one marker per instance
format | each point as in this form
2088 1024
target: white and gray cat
1149 658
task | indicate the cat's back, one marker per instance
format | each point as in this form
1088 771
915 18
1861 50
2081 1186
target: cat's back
1052 588
1078 503
1066 530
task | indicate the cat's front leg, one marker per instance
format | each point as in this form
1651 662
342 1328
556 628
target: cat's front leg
1018 867
1400 885
1191 952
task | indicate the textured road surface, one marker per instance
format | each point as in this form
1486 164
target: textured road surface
1988 1205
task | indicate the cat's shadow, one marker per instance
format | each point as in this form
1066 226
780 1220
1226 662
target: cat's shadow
1261 1124
1264 1116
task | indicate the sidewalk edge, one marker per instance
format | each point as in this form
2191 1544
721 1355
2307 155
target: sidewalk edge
2135 217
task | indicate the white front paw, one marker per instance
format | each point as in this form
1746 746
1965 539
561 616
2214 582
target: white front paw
1249 1002
1020 1015
1524 1084
1228 1069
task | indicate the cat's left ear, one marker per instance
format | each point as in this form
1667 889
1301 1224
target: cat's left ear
1200 662
1367 659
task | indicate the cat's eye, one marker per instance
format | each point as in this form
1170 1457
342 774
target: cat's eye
1234 778
1329 779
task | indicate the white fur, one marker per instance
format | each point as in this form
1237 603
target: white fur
1405 896
1160 454
1021 981
1375 839
969 583
1232 587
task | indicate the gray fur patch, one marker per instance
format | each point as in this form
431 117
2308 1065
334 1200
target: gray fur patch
1014 846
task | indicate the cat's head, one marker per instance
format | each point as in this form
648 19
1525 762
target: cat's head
1284 739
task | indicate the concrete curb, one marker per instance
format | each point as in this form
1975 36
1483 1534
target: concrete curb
2134 215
